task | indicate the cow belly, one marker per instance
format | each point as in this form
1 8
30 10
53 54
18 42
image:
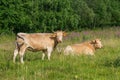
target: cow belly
34 49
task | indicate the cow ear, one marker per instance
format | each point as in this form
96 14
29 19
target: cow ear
96 41
93 41
54 35
64 33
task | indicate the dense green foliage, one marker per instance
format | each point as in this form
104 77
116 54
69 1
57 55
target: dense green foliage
50 15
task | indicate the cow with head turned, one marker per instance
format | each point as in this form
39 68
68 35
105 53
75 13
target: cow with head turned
45 42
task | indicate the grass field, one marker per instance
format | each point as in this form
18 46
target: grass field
105 65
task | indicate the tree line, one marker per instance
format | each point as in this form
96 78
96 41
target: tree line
50 15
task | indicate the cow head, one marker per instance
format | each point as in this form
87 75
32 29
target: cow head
59 35
97 43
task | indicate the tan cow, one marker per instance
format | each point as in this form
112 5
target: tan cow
87 48
45 42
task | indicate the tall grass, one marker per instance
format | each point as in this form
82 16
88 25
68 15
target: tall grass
105 65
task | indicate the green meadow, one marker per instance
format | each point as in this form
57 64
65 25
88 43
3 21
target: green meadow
105 65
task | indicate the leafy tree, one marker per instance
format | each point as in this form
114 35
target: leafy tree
50 15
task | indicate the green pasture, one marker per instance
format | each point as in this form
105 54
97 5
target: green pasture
105 65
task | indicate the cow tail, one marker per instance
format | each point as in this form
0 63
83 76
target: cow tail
19 40
20 35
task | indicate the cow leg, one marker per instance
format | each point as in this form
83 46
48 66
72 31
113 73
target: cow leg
43 55
49 50
22 51
15 54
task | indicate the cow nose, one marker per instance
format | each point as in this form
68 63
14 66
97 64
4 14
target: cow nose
59 41
101 46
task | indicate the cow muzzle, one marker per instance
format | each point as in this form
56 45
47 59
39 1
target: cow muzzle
59 41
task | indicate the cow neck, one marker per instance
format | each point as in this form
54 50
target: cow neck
55 42
92 46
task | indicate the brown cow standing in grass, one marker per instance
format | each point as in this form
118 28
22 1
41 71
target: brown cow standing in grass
45 42
87 48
